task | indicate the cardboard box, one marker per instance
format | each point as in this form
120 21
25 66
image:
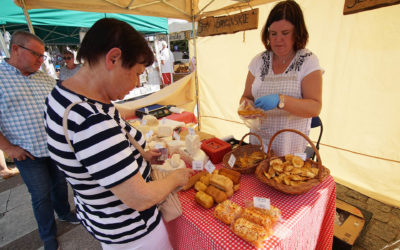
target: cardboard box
353 222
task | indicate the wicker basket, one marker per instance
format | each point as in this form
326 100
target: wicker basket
241 151
323 172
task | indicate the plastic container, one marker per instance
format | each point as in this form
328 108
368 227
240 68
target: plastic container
215 149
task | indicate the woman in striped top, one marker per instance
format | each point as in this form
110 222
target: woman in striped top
113 192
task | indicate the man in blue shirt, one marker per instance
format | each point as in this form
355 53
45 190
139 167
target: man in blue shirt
23 90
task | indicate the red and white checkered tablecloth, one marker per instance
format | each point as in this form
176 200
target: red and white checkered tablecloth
307 219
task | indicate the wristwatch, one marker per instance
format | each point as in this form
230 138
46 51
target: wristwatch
281 103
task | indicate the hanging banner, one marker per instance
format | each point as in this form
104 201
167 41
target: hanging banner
354 6
211 26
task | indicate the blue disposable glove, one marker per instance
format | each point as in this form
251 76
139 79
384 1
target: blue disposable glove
267 102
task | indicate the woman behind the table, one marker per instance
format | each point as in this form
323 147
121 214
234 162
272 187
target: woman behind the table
114 195
285 80
70 67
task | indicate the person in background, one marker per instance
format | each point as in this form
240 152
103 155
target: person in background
115 198
23 90
167 64
70 68
285 80
6 172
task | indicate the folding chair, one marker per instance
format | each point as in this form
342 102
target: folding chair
315 122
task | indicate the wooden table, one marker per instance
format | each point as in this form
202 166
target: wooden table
307 219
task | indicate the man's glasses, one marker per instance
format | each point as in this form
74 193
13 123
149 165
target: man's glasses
67 58
34 53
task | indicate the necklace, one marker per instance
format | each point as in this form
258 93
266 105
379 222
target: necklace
284 61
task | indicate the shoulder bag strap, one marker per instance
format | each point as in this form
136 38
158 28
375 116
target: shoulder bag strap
65 126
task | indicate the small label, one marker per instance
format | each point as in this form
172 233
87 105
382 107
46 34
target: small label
191 131
176 136
144 122
146 110
263 203
163 121
149 134
210 167
231 161
197 165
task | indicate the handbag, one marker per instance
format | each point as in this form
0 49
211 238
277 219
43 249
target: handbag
171 207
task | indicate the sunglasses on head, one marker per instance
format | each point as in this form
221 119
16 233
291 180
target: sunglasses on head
67 58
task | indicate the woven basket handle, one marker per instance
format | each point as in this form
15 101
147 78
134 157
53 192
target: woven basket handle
303 135
258 137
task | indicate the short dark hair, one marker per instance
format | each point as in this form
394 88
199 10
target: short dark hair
68 52
290 11
21 37
108 33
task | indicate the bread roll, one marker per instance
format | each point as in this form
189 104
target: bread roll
231 174
221 182
218 195
227 211
200 186
204 199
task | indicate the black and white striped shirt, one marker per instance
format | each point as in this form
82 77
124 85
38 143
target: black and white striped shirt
103 158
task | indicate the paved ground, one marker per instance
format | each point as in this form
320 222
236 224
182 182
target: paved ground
18 228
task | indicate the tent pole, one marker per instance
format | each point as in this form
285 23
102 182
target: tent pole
196 79
3 45
28 19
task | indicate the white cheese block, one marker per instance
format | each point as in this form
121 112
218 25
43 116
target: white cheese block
174 146
192 143
150 120
200 156
164 130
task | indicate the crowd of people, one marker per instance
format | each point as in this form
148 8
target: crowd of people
84 141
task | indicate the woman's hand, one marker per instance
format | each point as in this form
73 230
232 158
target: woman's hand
267 102
182 176
152 155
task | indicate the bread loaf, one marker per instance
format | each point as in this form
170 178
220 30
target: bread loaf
231 174
218 195
221 182
204 199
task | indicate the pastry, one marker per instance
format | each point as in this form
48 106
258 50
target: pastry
204 199
250 232
227 211
258 216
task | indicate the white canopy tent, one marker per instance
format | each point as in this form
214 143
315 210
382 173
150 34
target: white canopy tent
358 52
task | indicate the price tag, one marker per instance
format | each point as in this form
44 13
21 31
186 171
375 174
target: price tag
210 167
197 165
191 131
301 155
163 121
158 146
232 161
146 110
176 136
144 122
149 134
263 203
